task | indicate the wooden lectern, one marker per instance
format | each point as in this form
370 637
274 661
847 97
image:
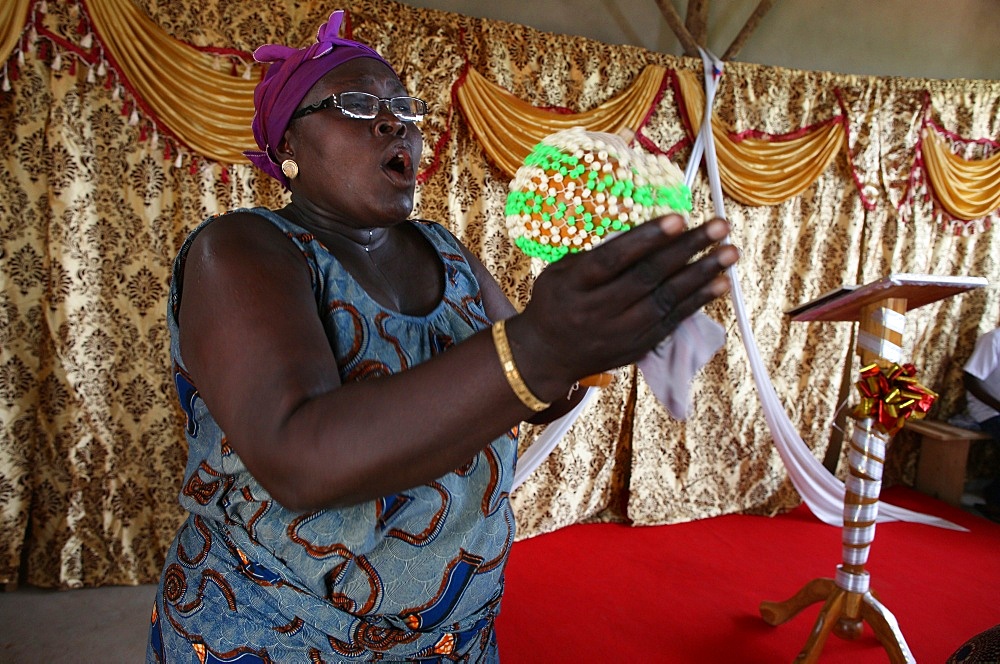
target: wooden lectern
880 308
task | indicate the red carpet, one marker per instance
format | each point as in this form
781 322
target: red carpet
690 592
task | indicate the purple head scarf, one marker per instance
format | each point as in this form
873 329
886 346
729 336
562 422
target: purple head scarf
291 74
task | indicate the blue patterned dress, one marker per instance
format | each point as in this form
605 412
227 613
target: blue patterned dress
412 577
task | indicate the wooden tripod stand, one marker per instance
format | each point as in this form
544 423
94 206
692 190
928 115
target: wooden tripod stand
848 600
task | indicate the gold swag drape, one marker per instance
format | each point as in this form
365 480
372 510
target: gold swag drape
13 17
757 171
753 171
204 106
92 214
967 189
509 128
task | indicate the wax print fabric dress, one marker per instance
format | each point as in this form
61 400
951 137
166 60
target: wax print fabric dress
411 577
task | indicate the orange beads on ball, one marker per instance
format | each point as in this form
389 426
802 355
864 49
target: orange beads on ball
577 187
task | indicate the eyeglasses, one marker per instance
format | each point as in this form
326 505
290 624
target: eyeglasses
363 106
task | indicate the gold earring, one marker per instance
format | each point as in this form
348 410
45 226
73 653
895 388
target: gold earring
290 169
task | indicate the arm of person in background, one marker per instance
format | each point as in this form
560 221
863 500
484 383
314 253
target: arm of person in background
978 389
256 349
981 364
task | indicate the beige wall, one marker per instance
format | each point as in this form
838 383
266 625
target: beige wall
912 38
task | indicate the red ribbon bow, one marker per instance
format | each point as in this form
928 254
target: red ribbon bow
892 397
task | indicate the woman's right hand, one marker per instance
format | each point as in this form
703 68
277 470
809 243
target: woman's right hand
605 308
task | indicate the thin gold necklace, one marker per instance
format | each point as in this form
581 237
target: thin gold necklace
370 244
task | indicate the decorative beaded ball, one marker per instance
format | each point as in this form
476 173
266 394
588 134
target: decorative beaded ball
577 187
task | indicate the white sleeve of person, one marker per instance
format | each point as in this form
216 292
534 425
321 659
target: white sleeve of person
984 364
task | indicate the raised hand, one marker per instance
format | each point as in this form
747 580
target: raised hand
606 308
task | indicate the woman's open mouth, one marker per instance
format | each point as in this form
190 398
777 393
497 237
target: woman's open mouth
399 166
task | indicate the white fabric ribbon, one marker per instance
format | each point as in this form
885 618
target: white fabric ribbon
860 536
881 347
889 319
865 465
855 555
865 513
547 441
852 583
822 492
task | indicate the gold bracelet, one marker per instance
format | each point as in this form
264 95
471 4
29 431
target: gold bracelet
510 370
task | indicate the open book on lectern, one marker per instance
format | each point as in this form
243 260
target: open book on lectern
845 302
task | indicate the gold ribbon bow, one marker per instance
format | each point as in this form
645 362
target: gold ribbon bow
892 397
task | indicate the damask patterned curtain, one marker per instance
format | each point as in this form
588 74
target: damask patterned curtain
101 181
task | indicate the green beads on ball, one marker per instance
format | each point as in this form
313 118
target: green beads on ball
576 187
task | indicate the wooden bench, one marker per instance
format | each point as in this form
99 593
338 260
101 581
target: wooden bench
944 452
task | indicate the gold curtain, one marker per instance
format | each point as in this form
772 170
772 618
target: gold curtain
509 128
13 16
756 171
200 103
967 189
91 216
